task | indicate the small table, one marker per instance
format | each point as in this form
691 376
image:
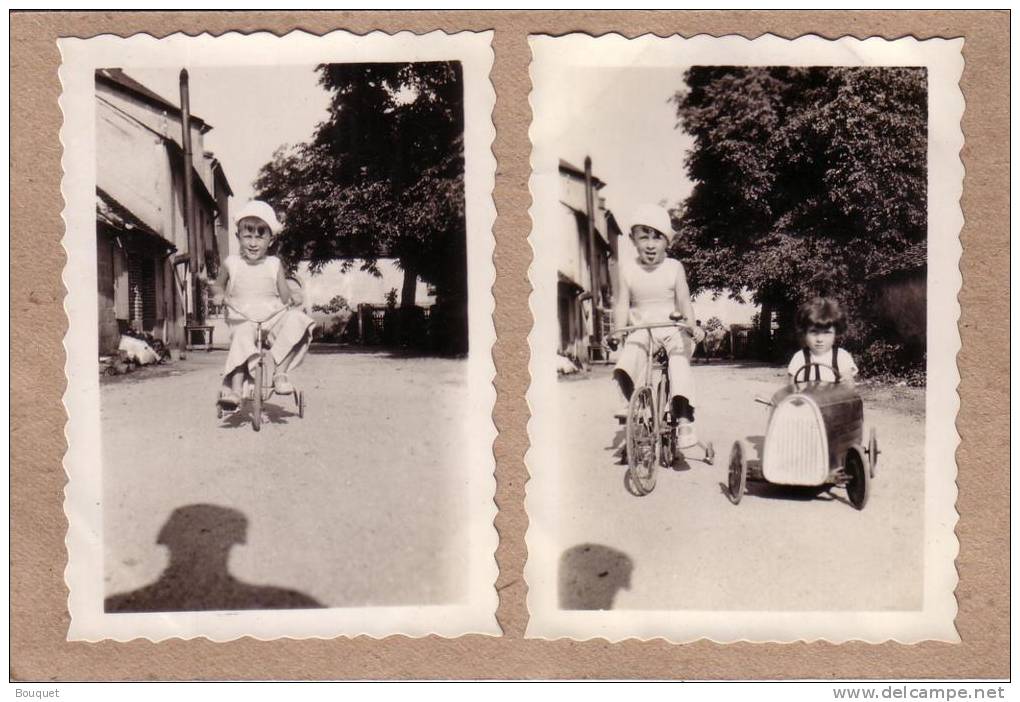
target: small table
206 334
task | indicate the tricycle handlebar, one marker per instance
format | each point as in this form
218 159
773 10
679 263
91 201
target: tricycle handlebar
655 325
255 321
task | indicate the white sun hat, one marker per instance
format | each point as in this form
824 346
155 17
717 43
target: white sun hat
261 210
654 216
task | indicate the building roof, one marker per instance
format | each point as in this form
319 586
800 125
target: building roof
116 215
571 169
117 78
218 171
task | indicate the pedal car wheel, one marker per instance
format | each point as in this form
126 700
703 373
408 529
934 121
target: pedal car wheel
737 478
299 399
858 473
642 439
256 397
873 450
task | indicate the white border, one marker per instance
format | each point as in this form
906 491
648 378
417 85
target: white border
82 462
944 61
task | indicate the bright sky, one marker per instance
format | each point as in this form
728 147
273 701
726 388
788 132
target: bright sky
623 119
253 111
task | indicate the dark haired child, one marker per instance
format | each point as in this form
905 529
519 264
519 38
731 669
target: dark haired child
819 323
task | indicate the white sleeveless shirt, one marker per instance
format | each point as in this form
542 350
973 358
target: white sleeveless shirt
251 287
652 291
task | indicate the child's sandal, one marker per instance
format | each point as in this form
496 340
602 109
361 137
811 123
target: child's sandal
228 400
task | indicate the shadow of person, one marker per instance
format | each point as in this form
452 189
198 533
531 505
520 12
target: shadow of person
619 447
590 575
272 413
199 538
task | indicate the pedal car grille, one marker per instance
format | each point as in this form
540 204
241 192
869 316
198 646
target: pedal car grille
796 451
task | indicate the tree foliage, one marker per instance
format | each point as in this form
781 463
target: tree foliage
808 180
383 176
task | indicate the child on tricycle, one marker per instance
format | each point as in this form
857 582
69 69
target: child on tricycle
652 291
255 290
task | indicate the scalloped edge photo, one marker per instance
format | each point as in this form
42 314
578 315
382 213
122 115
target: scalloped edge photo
556 61
472 609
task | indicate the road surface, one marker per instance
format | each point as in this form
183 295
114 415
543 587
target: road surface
357 504
688 547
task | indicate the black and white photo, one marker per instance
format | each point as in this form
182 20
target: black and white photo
743 361
279 352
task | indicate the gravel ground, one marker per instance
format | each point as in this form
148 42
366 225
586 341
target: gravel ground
356 504
687 547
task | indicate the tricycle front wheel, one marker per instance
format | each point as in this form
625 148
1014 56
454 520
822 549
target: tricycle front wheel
642 440
256 397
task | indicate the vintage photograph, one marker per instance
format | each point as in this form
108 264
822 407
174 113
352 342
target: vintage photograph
280 380
743 360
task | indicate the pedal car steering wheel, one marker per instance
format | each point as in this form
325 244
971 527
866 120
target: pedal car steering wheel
806 370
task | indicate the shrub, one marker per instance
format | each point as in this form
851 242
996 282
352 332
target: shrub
889 362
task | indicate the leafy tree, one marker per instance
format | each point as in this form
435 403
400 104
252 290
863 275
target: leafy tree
808 181
383 176
338 303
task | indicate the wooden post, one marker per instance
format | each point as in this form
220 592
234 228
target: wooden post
194 239
593 267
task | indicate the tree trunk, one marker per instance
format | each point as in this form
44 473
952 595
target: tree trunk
764 331
410 287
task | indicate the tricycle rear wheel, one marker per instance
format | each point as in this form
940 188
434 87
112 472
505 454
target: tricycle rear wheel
873 450
737 478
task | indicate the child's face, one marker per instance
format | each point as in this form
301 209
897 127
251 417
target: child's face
650 244
820 339
255 237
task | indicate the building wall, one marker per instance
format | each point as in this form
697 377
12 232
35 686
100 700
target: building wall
137 167
163 124
109 330
572 195
573 265
132 165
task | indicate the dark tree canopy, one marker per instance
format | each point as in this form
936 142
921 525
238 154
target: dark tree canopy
807 180
383 176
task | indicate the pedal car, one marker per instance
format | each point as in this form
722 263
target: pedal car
814 437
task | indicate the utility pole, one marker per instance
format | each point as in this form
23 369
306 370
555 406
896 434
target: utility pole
194 240
593 267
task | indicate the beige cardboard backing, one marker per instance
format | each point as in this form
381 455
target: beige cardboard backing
39 620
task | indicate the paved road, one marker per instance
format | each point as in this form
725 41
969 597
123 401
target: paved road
689 548
356 504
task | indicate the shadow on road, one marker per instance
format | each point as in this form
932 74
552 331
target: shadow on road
271 413
590 575
199 538
327 349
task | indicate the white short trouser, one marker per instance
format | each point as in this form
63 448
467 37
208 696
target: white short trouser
679 347
289 331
